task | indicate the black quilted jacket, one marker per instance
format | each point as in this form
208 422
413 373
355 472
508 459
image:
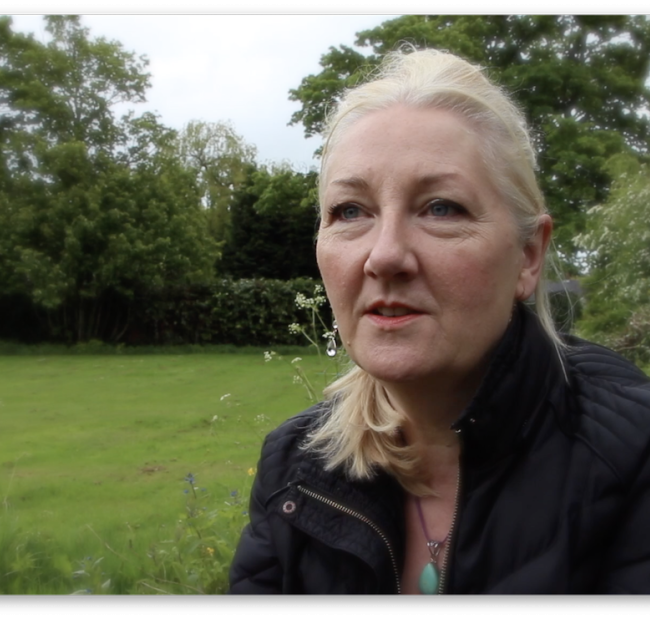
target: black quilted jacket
554 496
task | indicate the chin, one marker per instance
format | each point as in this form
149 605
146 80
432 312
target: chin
395 369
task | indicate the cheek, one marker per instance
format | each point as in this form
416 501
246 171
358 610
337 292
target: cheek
342 284
479 279
326 260
321 249
334 271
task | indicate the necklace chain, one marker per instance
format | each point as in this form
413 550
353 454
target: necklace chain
429 582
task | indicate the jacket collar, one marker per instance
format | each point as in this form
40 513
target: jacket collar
522 374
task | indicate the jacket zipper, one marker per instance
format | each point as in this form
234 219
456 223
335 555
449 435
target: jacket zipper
359 516
443 572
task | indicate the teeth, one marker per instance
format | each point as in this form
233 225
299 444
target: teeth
393 311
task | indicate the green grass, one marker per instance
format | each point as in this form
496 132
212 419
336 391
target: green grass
94 451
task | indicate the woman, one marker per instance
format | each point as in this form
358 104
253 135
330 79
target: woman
471 449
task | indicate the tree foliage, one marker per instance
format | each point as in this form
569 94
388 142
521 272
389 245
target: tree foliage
65 90
218 157
274 217
579 78
617 251
91 205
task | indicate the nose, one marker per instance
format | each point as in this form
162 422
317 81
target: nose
392 252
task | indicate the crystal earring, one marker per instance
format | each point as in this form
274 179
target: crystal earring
331 341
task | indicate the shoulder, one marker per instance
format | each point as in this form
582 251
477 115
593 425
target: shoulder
607 379
300 423
257 566
612 396
600 363
288 435
281 452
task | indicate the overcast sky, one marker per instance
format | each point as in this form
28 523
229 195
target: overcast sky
229 67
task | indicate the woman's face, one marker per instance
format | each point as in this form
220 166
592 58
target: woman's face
418 252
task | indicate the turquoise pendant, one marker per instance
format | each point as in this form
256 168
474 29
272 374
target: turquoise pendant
429 579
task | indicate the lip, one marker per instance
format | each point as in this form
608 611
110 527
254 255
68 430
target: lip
392 305
392 321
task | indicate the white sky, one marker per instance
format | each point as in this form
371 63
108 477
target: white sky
229 67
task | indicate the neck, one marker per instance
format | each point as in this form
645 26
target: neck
428 415
431 406
427 429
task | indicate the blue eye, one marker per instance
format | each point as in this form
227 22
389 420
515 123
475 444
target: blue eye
349 212
345 211
443 208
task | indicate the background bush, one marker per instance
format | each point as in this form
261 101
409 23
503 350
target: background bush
245 312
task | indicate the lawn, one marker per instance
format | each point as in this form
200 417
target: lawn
94 457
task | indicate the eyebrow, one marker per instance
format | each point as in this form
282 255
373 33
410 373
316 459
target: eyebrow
356 182
436 179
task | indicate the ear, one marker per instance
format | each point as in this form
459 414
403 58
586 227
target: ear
533 262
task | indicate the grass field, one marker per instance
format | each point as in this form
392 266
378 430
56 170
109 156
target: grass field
94 455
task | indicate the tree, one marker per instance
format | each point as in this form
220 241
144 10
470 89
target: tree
66 90
580 80
273 229
91 206
616 244
218 157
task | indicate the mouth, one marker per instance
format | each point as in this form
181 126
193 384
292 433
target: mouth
392 310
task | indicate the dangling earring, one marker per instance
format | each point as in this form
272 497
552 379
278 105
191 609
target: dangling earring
331 341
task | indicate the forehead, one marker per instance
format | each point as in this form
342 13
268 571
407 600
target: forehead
403 142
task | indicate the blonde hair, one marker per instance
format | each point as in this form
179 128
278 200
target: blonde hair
362 431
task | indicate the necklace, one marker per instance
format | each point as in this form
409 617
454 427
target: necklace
430 576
